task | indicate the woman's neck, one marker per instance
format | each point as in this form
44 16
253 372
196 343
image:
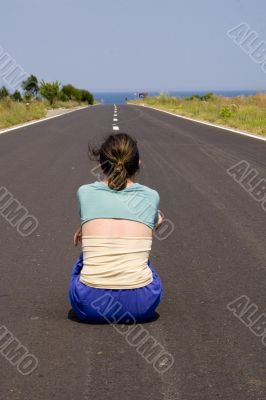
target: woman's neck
130 182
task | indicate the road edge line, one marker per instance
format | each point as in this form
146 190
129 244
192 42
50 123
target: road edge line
203 122
40 120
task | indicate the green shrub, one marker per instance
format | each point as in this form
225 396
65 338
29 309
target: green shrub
76 94
63 96
16 96
87 96
193 97
27 96
50 91
208 96
71 92
225 112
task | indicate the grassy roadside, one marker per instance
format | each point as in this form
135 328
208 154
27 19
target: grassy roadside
246 113
14 113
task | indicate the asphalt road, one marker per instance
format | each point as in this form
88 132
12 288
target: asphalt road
215 254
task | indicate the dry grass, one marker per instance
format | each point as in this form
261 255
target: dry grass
14 113
247 113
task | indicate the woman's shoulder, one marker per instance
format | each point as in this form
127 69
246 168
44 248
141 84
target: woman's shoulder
148 191
144 190
88 187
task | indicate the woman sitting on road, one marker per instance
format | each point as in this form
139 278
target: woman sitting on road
113 279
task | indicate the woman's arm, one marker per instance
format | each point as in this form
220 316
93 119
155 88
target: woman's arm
160 219
77 236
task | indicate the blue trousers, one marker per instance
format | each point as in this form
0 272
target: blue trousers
95 305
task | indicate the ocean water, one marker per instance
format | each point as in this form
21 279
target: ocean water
122 97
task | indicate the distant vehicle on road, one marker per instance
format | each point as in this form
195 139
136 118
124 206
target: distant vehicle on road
142 95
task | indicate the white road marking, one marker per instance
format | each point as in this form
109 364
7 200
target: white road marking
205 123
23 125
115 120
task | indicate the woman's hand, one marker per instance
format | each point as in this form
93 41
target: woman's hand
160 219
78 236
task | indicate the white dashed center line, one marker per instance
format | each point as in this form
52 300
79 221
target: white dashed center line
115 119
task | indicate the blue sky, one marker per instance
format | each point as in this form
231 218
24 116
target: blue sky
120 45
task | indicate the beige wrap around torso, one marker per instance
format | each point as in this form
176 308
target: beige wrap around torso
112 262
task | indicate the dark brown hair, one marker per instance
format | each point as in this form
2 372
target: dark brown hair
119 159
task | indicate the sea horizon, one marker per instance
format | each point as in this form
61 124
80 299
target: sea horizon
120 97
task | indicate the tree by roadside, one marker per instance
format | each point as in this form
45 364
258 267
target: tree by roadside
50 91
3 92
31 85
72 93
87 96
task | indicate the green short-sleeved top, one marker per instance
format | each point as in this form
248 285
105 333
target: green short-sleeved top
136 202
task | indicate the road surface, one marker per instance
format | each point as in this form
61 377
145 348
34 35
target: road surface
215 254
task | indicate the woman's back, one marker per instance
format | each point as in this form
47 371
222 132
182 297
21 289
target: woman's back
117 220
115 227
132 210
117 234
